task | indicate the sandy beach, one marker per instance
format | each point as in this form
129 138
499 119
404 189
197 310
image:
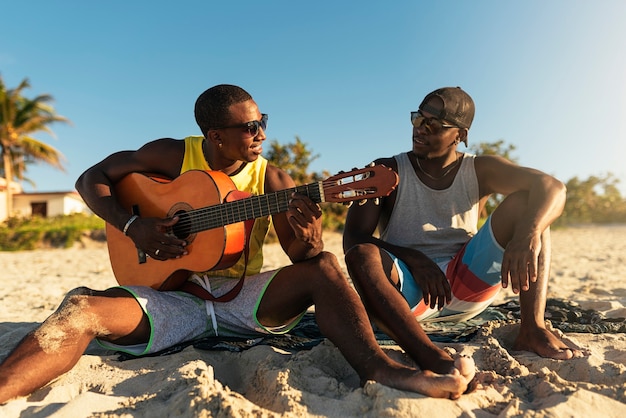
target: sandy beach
265 381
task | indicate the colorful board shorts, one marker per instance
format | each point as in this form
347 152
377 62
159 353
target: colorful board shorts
473 274
177 317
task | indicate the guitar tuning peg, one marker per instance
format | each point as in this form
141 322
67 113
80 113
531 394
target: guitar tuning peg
348 204
376 201
371 164
362 202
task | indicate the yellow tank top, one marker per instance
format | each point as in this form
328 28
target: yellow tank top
250 179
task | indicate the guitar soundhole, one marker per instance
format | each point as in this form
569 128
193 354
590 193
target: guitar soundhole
183 229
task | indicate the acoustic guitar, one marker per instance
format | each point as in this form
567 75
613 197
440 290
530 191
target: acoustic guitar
212 215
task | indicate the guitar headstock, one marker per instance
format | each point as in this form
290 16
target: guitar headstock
360 184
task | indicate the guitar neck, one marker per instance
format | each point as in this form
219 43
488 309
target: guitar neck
253 207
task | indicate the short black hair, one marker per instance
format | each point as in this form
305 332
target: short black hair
212 106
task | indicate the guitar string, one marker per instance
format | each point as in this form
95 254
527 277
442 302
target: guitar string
244 209
253 203
249 207
232 212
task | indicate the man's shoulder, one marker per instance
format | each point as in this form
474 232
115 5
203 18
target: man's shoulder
188 138
274 170
276 178
167 142
489 160
163 145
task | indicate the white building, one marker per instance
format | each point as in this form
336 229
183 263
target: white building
41 203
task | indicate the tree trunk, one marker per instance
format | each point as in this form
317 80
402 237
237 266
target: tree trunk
8 177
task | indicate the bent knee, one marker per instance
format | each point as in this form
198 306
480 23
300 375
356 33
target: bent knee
356 254
318 271
327 257
82 290
73 316
85 307
77 297
326 261
514 204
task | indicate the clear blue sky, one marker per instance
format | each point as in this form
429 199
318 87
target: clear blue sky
548 77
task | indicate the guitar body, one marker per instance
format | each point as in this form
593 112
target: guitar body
211 249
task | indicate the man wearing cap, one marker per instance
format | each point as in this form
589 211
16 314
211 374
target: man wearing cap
429 261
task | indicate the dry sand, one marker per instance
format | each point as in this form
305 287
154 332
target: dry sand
266 382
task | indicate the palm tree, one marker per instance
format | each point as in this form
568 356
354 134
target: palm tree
21 117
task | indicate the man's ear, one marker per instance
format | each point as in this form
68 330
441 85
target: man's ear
463 136
213 136
215 139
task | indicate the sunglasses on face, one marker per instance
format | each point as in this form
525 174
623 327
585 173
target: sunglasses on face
432 125
251 127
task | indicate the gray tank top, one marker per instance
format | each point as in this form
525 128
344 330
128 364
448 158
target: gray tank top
435 222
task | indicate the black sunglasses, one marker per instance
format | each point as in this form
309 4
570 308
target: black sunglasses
251 127
432 125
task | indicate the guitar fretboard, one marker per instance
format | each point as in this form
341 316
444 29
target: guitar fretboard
253 207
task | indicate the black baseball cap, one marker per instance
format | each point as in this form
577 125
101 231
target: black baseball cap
458 106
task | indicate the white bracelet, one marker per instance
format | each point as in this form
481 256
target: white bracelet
130 221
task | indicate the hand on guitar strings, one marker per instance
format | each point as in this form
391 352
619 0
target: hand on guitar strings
154 237
305 218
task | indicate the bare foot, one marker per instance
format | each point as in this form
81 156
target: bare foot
435 385
465 365
545 343
451 385
445 364
448 386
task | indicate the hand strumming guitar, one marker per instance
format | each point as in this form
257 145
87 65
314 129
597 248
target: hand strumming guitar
153 237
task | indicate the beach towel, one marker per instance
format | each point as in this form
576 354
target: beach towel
564 315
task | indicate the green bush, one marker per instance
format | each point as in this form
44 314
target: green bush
19 240
58 232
